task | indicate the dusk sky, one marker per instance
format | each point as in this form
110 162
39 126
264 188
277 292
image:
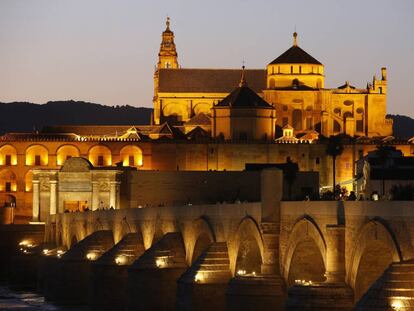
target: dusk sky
104 51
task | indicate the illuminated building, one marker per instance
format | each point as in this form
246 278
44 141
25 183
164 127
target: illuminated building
216 119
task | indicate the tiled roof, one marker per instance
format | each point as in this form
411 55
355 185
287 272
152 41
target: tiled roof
98 130
295 55
199 119
208 80
244 97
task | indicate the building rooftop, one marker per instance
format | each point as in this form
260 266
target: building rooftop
208 80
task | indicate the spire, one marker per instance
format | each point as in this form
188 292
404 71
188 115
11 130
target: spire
168 23
168 53
295 39
243 82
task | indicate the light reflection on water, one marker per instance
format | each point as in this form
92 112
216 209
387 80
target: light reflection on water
29 301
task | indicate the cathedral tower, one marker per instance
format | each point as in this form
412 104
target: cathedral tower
167 57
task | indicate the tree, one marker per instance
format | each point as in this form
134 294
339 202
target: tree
334 148
383 152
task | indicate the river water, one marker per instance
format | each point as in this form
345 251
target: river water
29 301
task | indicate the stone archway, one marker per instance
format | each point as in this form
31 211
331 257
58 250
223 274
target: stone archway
305 257
202 237
375 249
246 252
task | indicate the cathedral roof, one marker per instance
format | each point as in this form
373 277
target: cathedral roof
208 80
295 55
244 97
199 119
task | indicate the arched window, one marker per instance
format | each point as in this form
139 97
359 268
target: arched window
100 155
297 119
8 181
336 126
37 155
65 152
8 155
131 156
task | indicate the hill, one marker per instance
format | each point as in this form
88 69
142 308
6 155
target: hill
26 117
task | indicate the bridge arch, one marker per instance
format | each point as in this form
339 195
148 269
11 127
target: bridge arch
202 236
376 247
305 253
246 250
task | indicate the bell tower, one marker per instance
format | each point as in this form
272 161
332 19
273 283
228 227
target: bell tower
167 57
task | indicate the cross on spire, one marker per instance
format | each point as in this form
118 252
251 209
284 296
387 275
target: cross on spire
168 22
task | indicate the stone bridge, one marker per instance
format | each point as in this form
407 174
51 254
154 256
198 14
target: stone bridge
269 255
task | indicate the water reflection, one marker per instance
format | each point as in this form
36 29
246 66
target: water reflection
29 301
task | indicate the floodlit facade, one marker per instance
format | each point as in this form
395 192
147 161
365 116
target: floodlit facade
216 119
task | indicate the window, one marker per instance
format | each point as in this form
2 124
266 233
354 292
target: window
278 69
37 160
8 186
131 160
300 69
336 126
8 159
167 65
359 125
291 69
100 160
309 124
317 161
380 90
297 119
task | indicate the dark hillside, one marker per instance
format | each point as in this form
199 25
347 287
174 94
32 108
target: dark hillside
26 117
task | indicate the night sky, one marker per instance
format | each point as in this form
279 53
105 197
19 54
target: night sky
105 51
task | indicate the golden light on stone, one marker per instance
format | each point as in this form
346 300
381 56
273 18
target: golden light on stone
60 253
303 282
91 256
120 260
24 243
199 277
397 304
161 262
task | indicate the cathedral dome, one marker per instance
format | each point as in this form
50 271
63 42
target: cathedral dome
295 55
295 67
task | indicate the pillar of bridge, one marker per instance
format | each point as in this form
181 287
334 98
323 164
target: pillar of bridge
71 280
152 279
256 292
203 286
335 254
394 290
320 297
109 274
